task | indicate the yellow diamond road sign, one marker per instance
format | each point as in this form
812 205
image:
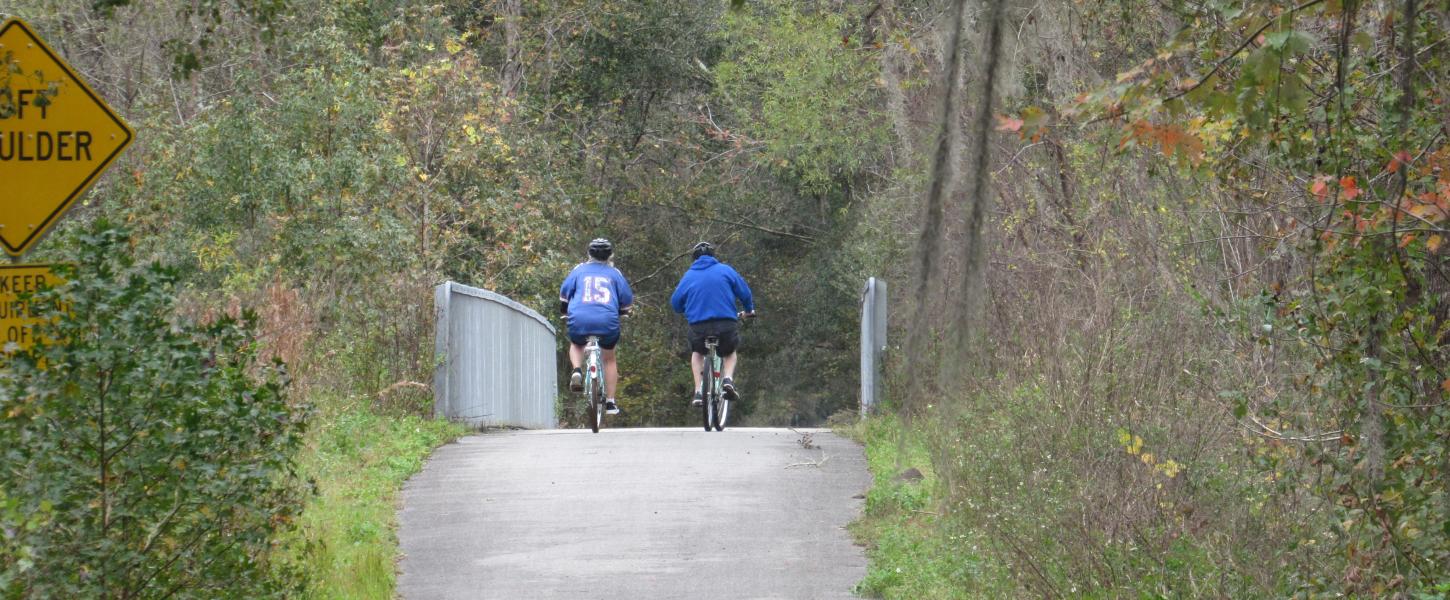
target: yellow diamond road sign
56 137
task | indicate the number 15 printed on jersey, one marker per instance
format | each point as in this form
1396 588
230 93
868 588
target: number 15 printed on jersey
597 290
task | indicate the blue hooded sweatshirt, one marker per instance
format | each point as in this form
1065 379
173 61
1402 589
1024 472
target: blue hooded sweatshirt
708 291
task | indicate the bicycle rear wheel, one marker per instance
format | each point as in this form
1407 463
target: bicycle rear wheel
599 410
721 413
708 412
707 408
596 406
722 406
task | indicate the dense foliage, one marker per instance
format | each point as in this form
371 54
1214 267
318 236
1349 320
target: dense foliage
144 456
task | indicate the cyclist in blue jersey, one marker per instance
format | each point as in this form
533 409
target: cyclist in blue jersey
592 298
706 296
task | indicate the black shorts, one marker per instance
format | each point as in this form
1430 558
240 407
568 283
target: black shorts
728 330
607 341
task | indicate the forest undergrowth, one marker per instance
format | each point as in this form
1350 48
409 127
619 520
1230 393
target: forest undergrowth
1092 452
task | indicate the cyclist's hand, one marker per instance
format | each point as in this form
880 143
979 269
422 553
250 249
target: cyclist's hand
746 315
626 311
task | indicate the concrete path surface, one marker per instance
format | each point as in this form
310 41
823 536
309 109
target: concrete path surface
635 513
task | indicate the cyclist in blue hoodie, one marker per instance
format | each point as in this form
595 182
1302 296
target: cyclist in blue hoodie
592 298
706 296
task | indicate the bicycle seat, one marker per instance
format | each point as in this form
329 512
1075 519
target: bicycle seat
712 339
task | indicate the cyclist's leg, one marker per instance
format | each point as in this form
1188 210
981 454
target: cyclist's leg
729 355
611 373
576 347
729 349
607 344
576 359
697 352
697 364
576 354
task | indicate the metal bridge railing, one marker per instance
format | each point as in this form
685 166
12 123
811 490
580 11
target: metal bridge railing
496 360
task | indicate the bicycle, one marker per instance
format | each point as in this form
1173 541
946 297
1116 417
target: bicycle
716 408
594 382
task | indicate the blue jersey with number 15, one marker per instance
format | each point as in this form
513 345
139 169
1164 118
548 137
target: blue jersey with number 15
595 292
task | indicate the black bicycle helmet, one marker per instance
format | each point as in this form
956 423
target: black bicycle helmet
702 249
600 249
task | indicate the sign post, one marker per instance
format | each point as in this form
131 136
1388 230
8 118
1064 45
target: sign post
873 344
56 137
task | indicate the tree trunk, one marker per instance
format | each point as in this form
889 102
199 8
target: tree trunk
512 74
971 291
922 331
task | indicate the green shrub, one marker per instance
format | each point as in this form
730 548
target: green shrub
144 456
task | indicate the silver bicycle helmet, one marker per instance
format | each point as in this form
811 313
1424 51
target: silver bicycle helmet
601 249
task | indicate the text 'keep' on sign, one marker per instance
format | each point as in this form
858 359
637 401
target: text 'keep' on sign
18 318
56 137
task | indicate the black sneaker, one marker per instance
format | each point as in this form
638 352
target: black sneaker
576 381
698 401
729 387
610 408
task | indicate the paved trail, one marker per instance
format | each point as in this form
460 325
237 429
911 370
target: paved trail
634 513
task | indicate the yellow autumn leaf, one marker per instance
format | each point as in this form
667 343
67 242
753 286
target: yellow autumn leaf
1428 212
1433 242
1170 468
